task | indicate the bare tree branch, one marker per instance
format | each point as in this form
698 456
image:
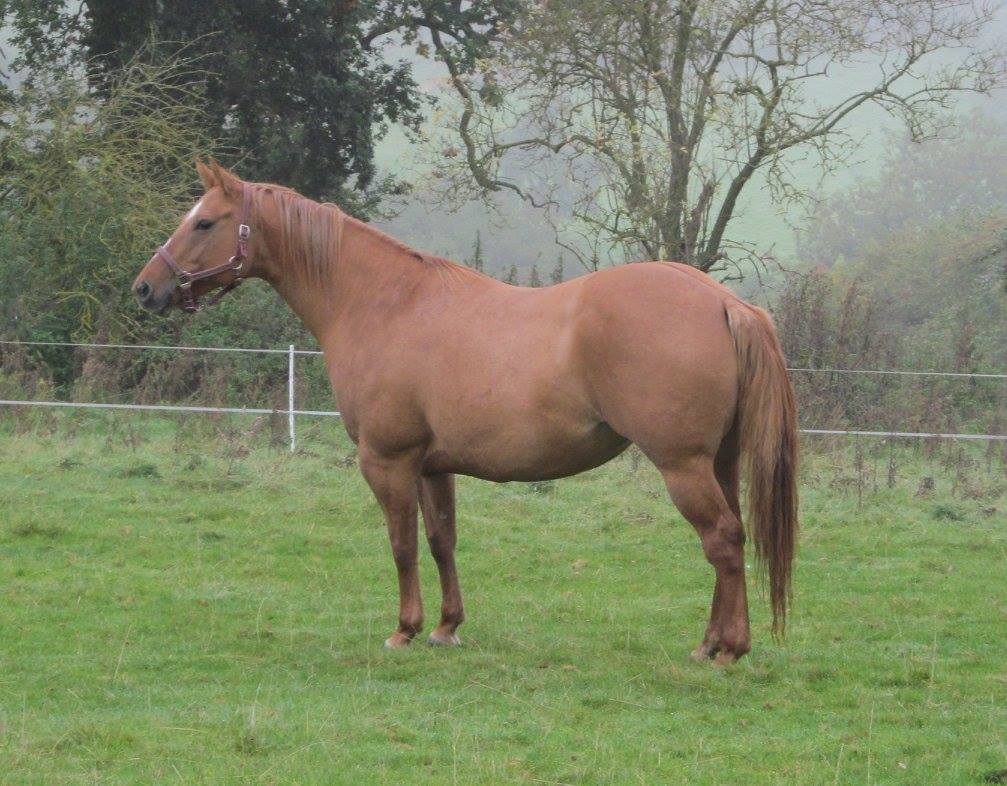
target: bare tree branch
657 116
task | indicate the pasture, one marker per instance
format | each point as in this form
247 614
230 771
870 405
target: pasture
182 602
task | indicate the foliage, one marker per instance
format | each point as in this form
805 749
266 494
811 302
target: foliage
917 187
923 243
295 91
557 274
909 275
660 114
90 187
921 299
179 608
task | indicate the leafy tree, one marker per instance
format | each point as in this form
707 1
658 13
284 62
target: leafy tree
89 188
661 113
90 185
908 273
917 186
915 297
534 279
298 90
511 277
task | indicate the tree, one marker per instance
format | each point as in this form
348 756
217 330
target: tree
916 186
478 263
511 277
89 187
534 280
298 91
661 113
557 274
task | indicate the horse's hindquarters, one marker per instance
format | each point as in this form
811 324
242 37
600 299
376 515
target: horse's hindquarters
657 355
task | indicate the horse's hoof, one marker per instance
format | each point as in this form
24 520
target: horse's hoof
436 639
397 641
703 653
725 658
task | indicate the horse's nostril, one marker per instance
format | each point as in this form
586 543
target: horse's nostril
143 290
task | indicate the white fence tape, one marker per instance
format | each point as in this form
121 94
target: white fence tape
893 372
168 408
917 434
896 372
161 346
291 412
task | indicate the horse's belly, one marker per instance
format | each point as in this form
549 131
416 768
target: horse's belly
532 451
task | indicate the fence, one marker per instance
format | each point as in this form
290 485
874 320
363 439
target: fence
292 412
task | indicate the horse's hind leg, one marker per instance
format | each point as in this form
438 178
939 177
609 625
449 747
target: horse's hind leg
726 466
437 501
697 492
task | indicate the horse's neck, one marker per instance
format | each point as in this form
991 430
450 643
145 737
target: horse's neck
373 276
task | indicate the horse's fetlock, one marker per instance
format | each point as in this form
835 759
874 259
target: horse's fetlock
410 627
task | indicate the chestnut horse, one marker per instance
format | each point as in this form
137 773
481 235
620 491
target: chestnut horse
440 370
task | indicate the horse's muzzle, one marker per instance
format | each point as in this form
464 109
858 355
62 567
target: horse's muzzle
152 300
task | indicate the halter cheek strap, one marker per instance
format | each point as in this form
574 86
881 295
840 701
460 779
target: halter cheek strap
235 264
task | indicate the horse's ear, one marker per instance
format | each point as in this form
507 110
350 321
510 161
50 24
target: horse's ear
206 175
228 181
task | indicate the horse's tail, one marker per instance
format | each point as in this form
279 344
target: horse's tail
767 425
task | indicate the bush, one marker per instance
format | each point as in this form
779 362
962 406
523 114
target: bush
92 184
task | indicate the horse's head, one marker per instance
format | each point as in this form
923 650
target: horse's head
207 251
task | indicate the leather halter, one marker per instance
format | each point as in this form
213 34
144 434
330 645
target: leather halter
235 264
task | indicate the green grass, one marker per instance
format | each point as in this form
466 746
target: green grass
175 611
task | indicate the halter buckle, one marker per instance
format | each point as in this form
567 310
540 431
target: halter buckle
244 231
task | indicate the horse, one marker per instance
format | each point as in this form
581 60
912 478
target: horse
439 370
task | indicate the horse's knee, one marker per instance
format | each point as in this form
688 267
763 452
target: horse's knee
442 545
404 553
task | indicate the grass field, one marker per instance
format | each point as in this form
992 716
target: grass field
180 607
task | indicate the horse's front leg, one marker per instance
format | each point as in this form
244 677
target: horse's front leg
437 501
393 481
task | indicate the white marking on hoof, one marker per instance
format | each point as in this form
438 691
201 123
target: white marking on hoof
702 653
444 641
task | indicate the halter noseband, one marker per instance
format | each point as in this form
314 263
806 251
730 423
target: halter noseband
186 279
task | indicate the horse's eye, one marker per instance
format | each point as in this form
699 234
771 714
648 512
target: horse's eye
204 223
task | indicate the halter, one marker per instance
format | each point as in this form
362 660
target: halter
235 264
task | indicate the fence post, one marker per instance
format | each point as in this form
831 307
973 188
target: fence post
290 399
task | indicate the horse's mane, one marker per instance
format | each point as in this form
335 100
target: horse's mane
311 233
